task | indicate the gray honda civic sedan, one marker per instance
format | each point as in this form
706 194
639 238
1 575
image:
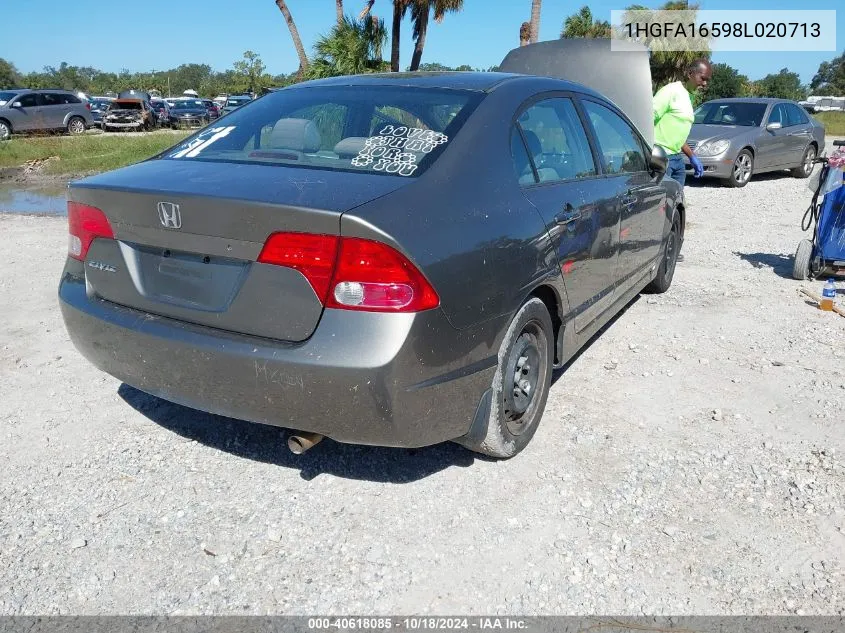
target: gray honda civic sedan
395 260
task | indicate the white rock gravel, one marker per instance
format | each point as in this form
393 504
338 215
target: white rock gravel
689 462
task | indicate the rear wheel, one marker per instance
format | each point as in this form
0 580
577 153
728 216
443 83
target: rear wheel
806 167
76 125
5 131
521 383
801 265
742 169
671 249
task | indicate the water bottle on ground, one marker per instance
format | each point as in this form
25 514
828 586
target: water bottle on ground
828 295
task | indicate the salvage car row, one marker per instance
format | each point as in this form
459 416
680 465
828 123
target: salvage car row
24 111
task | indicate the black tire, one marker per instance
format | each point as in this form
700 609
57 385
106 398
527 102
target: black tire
801 265
742 169
669 258
5 130
76 125
526 356
806 167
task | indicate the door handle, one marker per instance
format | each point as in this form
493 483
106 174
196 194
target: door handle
629 201
569 214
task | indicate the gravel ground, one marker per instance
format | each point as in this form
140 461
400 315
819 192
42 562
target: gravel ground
689 462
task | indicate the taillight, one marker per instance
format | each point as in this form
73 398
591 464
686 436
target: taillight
352 273
312 255
373 276
85 223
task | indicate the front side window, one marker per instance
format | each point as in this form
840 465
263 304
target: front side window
29 100
556 140
378 130
618 142
779 115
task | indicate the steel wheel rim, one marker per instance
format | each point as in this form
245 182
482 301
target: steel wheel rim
524 375
671 257
808 160
742 168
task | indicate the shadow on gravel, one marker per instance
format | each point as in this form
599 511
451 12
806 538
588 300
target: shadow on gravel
717 183
268 444
781 264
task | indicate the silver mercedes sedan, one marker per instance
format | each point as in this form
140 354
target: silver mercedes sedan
736 138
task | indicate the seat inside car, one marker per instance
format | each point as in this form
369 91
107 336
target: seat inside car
295 135
350 147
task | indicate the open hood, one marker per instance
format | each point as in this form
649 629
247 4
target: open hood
624 77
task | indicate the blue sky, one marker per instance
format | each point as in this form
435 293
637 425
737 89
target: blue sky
217 32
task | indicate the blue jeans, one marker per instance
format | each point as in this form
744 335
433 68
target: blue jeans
677 168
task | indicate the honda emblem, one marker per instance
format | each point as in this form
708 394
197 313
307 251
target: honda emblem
169 215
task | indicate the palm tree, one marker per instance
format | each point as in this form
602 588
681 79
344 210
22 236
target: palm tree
581 24
353 47
400 8
420 10
339 9
524 34
535 20
294 33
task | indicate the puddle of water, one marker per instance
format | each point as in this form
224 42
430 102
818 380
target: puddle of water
49 200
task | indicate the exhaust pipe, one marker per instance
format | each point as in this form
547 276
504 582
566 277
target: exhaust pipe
298 443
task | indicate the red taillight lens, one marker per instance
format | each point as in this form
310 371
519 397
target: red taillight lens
312 255
373 276
85 223
351 273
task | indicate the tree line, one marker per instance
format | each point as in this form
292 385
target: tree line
355 44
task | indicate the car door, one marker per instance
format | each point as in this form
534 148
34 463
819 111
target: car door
52 110
25 116
641 199
558 171
779 149
800 133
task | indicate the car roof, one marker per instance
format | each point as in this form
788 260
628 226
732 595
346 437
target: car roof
457 80
749 100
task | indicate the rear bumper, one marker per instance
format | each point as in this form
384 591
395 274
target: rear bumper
378 379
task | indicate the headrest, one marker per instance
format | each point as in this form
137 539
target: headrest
301 135
350 146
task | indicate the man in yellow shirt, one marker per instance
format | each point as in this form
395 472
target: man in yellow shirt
673 117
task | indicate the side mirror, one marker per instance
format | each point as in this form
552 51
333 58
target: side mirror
773 126
17 104
658 162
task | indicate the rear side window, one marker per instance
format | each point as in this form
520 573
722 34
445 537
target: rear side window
618 142
376 129
556 141
796 115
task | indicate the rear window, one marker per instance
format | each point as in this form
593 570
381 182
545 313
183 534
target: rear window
379 130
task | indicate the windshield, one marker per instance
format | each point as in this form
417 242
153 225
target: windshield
7 96
741 113
379 129
238 102
187 105
125 105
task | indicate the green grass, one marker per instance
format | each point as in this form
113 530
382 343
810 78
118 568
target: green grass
86 154
834 123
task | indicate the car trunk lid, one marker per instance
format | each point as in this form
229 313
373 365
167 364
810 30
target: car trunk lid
187 240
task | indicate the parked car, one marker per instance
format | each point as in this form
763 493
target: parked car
189 113
42 111
211 107
98 107
387 259
234 102
129 114
736 138
162 111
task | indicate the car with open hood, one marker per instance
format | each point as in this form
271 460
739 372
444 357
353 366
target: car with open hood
129 114
387 259
737 138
